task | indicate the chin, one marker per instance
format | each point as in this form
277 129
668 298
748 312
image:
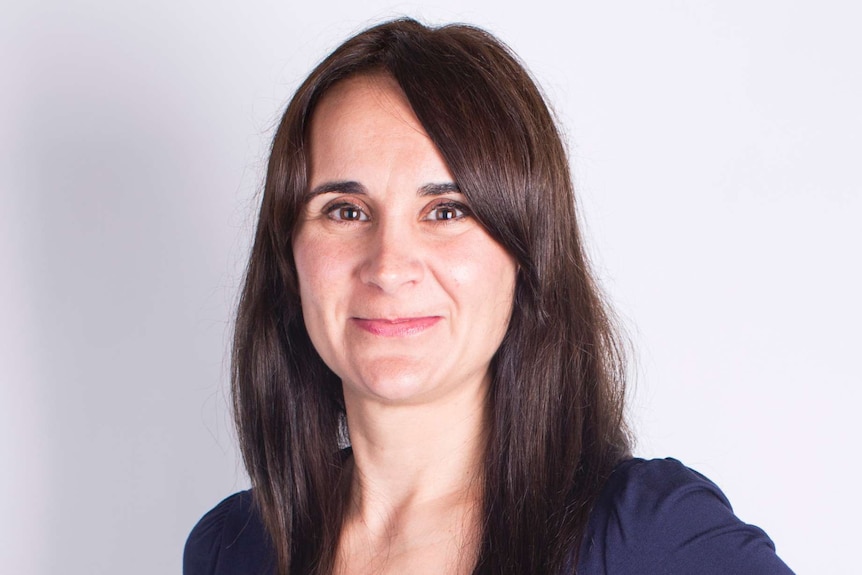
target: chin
393 381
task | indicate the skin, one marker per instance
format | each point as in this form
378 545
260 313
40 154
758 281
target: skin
406 298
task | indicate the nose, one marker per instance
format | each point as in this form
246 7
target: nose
393 259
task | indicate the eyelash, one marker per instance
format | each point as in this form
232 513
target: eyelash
333 212
460 210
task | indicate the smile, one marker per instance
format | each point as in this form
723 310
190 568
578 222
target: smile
399 327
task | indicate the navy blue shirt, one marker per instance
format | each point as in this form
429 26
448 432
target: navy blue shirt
654 517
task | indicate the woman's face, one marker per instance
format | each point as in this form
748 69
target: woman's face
404 295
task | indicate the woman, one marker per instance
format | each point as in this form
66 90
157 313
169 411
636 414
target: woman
425 378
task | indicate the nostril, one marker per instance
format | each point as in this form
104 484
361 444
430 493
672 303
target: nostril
391 267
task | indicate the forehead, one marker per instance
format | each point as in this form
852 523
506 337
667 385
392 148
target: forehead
361 102
365 125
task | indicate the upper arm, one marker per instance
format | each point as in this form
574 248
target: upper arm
203 546
661 517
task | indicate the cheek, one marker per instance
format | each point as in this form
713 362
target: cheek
320 273
482 275
319 257
322 277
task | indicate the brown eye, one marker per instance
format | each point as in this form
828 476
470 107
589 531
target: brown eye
350 213
347 213
447 212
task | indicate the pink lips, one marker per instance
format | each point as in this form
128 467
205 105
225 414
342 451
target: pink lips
399 327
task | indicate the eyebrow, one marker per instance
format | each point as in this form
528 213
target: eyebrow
348 187
439 189
351 187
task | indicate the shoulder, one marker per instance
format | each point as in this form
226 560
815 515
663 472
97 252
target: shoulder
228 539
659 516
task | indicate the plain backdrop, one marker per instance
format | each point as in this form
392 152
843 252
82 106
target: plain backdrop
716 150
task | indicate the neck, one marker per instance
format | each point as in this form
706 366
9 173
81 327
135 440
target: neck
416 457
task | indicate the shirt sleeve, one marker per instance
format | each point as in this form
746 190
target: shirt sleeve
229 540
659 517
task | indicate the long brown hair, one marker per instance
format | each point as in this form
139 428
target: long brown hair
556 397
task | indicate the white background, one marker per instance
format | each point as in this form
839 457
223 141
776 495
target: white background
716 149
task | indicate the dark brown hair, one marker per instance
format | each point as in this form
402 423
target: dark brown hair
556 397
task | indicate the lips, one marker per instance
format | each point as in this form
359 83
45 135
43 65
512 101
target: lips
399 327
